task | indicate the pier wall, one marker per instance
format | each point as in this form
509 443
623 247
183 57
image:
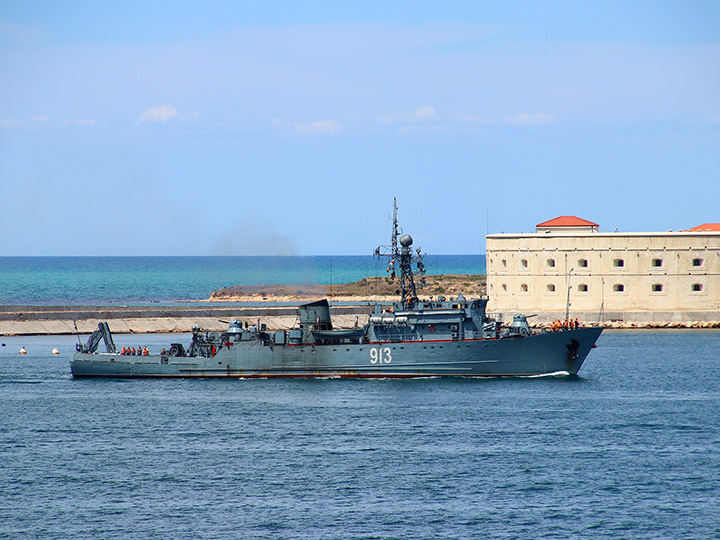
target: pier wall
56 320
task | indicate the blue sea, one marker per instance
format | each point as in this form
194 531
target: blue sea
629 449
144 280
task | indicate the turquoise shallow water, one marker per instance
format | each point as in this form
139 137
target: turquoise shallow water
138 280
629 449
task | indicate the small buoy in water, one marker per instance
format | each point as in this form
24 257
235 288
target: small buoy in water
55 351
23 351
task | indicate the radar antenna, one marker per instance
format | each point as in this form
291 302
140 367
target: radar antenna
402 257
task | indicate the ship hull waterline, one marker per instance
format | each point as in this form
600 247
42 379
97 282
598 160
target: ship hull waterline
538 354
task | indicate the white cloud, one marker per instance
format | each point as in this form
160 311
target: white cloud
471 119
162 113
78 123
530 119
318 128
424 113
10 122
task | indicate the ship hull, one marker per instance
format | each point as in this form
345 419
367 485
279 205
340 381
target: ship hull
539 354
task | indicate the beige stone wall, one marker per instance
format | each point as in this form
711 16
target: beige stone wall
624 271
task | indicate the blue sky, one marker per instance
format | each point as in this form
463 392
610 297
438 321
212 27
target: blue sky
242 128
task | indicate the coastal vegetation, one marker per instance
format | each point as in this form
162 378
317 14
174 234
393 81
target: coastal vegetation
367 288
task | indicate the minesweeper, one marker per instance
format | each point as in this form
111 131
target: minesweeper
452 337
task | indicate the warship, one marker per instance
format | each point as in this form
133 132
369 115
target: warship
412 337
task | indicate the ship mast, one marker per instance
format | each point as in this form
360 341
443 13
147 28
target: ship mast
402 257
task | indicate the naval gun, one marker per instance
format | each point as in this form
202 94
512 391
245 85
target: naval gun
520 326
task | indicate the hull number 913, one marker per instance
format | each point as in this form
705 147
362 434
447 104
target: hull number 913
381 355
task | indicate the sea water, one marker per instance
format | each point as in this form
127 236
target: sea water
628 449
143 280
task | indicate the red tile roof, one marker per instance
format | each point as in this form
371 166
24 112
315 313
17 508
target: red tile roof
567 221
707 227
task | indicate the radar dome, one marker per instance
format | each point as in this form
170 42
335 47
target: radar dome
406 240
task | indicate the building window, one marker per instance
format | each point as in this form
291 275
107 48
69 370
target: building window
583 287
504 287
697 262
582 263
618 263
551 263
657 287
551 287
523 263
618 287
504 263
524 287
697 287
657 262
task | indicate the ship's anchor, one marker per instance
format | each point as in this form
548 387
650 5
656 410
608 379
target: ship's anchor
573 348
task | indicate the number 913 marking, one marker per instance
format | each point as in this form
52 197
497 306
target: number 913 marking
380 355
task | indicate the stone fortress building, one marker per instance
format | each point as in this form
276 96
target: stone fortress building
567 264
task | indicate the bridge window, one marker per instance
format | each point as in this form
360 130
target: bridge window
657 287
618 263
657 263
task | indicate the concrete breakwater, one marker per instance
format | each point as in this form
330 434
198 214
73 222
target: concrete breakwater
57 320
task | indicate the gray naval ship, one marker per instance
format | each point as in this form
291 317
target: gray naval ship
414 337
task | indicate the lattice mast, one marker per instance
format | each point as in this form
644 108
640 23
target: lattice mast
401 256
